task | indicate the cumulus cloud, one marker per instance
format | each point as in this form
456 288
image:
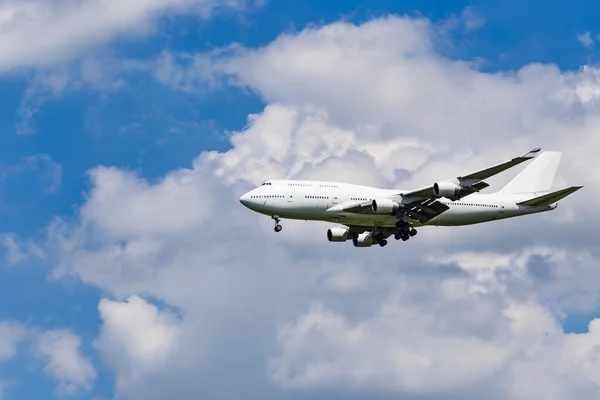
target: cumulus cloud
455 337
361 81
372 103
46 36
135 339
41 33
65 362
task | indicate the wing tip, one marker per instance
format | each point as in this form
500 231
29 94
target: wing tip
532 153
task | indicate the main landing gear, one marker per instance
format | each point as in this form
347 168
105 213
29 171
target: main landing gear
380 240
278 227
405 231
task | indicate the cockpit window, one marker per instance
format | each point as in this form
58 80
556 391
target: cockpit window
266 183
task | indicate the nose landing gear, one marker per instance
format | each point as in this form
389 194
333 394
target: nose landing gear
278 227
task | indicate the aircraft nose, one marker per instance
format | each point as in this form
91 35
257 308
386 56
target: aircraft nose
245 199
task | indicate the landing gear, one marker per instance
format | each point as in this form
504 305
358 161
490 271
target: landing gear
405 231
382 242
278 227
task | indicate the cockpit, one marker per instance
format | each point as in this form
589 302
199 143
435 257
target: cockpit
266 183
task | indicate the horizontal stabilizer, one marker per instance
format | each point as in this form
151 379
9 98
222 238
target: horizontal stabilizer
550 198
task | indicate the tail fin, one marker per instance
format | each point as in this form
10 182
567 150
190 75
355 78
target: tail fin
550 198
537 177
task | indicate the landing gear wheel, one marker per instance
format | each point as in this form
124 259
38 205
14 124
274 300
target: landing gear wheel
382 242
412 232
405 238
278 227
397 236
404 226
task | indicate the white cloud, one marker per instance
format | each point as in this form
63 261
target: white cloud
11 333
3 386
472 19
50 171
586 40
41 33
371 103
441 336
47 35
18 251
135 339
65 362
14 254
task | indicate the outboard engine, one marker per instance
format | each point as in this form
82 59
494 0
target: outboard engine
446 189
338 234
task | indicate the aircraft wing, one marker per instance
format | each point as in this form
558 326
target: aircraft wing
356 208
472 182
422 209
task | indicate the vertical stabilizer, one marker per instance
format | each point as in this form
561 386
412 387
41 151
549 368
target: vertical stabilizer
537 176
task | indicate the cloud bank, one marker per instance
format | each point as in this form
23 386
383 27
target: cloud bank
375 103
43 33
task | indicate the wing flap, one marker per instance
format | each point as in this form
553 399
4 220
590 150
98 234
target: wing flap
424 210
550 198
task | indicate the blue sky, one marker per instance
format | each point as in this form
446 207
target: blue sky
151 128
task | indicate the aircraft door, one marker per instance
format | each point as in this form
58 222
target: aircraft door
332 202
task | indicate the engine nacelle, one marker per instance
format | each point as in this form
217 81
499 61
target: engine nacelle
384 206
365 239
446 189
338 234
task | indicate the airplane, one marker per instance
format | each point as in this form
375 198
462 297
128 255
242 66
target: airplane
369 215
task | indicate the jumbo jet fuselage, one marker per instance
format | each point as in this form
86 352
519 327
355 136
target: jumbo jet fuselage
325 201
370 215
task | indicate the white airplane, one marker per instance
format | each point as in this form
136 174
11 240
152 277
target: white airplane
370 215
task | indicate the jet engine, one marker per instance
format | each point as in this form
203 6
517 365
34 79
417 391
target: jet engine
384 206
338 234
446 189
365 239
